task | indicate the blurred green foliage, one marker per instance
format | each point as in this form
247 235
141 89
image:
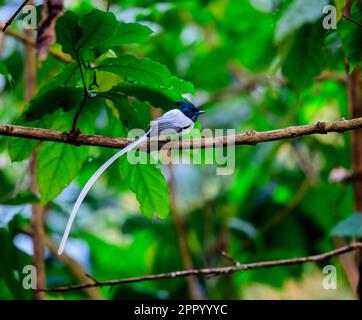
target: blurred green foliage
253 65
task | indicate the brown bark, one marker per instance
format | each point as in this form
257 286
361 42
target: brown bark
192 282
353 83
355 107
37 220
247 138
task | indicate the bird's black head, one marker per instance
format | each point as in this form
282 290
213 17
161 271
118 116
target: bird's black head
189 109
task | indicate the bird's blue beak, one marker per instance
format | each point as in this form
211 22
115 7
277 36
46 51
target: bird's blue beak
201 112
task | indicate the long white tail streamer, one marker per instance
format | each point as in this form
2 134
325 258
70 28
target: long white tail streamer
89 184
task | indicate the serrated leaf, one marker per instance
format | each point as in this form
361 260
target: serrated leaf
163 98
351 36
20 148
49 100
144 71
299 13
305 57
127 114
181 85
68 76
58 163
96 30
350 227
68 32
97 27
107 80
150 187
127 33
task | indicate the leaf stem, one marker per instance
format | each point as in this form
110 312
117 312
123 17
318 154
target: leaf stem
74 129
352 20
81 71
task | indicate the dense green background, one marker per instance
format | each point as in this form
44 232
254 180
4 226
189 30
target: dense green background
252 65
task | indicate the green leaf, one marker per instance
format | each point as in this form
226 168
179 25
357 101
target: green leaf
68 32
4 71
126 113
181 85
351 35
25 197
67 77
127 33
12 262
299 13
163 98
58 163
350 227
144 71
97 27
150 187
20 148
305 56
49 100
96 30
6 186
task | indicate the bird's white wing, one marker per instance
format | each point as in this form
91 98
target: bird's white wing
173 121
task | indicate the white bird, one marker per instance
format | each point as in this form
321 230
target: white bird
176 121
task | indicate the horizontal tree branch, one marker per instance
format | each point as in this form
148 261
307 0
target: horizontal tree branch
247 138
211 271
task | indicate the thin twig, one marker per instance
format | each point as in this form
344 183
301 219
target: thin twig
8 23
208 271
228 257
352 20
74 130
84 100
91 277
81 71
247 138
